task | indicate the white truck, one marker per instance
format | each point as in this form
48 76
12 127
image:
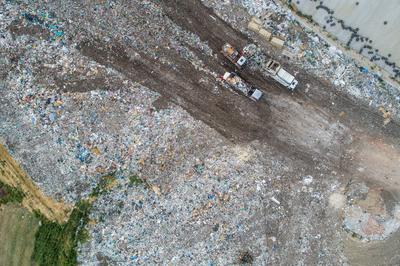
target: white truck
274 68
233 55
240 85
276 71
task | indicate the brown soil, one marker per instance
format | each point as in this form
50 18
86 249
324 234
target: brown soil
374 253
377 161
18 28
12 174
2 193
181 86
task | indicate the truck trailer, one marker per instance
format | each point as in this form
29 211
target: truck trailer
238 84
276 71
233 55
274 68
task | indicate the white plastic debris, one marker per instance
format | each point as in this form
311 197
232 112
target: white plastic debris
275 200
307 180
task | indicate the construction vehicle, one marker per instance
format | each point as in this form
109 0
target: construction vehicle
233 55
276 71
240 85
274 68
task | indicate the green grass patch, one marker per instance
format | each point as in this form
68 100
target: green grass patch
134 180
9 194
55 244
103 185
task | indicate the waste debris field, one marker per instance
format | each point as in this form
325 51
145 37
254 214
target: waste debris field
203 174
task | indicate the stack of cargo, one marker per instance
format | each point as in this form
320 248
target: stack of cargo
256 25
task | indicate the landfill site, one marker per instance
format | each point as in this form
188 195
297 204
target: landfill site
231 133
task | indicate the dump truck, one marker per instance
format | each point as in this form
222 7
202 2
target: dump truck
276 71
238 84
233 55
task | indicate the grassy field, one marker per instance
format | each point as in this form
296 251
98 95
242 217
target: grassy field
17 230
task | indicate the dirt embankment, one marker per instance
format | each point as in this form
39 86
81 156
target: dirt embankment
12 174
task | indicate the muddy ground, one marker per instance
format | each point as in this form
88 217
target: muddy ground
321 131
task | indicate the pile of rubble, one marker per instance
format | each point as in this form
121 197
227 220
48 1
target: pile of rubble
371 213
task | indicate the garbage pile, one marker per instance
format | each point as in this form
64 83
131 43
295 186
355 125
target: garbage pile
209 210
202 199
370 213
192 216
49 117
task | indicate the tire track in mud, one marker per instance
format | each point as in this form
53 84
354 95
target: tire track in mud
221 112
193 16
